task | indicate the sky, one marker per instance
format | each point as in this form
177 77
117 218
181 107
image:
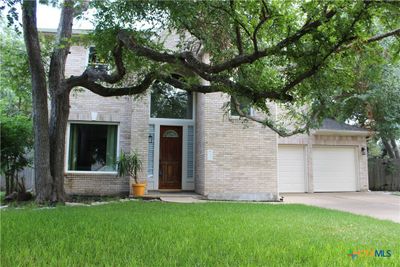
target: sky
48 18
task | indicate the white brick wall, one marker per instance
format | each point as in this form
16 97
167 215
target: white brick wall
84 105
245 155
244 164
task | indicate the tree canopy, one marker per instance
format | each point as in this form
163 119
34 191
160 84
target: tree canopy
15 91
15 107
299 54
295 53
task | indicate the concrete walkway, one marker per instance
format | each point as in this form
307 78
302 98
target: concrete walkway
176 197
379 205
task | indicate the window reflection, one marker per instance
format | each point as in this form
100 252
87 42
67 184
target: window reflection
170 102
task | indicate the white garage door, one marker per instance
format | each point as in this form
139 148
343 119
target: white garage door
334 169
291 169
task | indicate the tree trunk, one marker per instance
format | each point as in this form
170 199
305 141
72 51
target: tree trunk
58 127
43 180
395 148
8 190
388 148
59 100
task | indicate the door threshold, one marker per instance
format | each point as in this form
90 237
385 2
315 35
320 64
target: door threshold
169 190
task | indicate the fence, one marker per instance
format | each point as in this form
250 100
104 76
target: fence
29 179
384 175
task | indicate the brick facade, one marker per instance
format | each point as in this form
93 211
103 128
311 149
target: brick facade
244 155
244 163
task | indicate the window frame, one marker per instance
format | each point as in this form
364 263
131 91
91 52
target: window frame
67 137
236 117
171 120
88 58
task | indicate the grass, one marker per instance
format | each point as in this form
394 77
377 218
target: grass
211 234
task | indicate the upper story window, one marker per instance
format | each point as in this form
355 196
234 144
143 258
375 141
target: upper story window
92 147
170 102
95 61
245 106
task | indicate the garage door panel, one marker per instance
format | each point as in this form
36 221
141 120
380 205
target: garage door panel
334 169
291 169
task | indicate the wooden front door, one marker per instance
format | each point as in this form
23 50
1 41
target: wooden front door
170 171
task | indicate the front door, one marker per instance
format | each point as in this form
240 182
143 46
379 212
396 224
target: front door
170 171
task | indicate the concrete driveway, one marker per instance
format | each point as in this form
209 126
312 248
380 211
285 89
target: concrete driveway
379 205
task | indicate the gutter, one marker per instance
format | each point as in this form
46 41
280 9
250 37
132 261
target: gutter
342 132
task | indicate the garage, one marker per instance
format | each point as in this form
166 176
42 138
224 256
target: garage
291 164
334 169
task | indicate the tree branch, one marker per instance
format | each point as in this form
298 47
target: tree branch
94 75
372 39
269 123
263 18
235 62
190 87
315 68
234 18
98 75
239 42
61 49
121 91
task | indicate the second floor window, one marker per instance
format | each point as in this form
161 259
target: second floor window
245 106
95 61
170 102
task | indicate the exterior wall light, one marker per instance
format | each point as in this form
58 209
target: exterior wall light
363 151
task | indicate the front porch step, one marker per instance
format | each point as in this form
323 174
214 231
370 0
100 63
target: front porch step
172 196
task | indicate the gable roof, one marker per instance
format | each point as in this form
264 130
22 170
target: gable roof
332 126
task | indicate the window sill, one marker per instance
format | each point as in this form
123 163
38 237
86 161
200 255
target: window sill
92 172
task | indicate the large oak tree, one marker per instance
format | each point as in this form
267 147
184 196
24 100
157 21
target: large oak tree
295 53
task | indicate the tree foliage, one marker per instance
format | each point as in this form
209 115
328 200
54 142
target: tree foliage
295 53
16 141
15 91
15 107
375 100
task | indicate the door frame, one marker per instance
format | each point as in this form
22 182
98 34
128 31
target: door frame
153 180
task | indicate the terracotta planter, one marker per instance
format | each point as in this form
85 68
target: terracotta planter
138 190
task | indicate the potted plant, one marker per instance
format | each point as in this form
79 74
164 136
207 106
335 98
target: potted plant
129 165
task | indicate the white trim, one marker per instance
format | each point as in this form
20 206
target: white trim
74 31
306 177
341 132
184 157
170 122
184 123
87 56
68 133
185 184
156 176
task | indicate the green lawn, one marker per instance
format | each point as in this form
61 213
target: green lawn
210 234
